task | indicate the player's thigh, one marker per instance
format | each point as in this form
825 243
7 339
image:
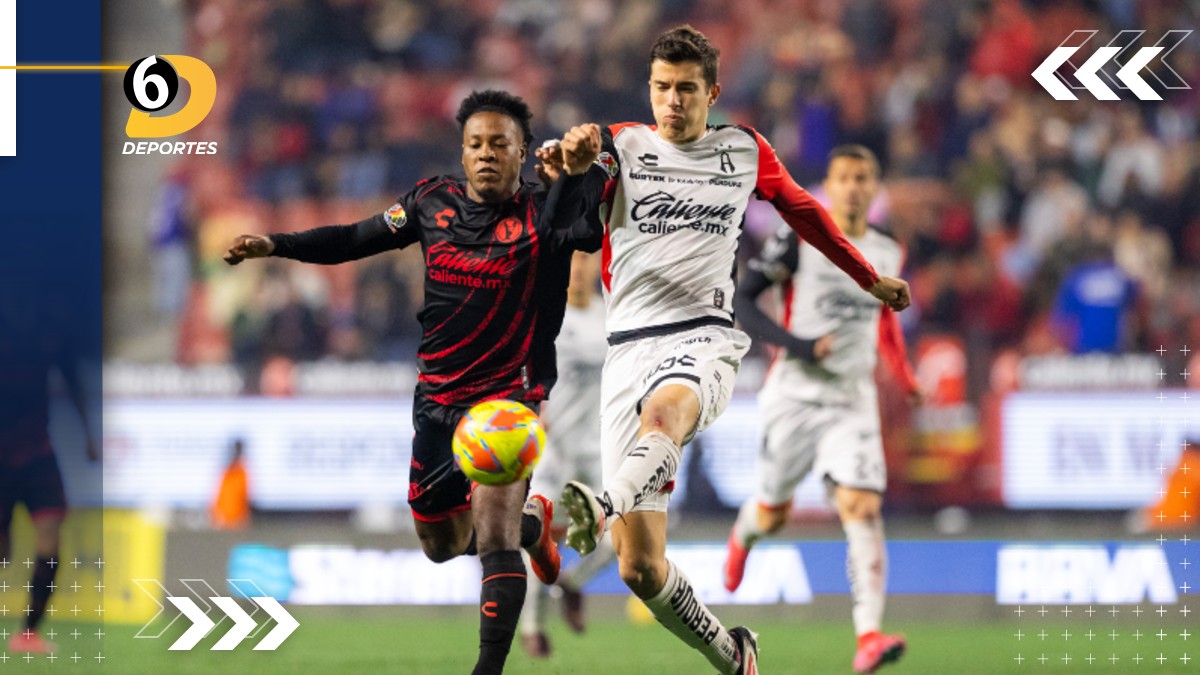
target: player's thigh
706 362
850 453
437 490
789 446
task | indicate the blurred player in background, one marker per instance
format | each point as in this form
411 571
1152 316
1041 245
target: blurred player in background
675 207
819 402
497 256
572 417
31 346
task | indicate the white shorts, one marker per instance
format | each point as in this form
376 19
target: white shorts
704 359
842 444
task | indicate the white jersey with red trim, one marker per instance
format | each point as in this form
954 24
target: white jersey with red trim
820 300
674 216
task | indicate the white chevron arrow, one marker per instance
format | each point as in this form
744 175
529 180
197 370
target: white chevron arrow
1044 74
1128 74
201 624
1088 78
242 624
286 623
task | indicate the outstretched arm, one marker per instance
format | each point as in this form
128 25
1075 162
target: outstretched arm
328 245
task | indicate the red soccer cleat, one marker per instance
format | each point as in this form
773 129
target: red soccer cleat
876 649
543 555
28 641
735 563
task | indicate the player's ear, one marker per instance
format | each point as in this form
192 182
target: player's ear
713 92
524 152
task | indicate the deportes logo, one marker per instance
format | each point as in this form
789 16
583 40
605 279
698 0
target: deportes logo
152 84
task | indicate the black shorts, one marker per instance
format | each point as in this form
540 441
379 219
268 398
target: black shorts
38 484
437 490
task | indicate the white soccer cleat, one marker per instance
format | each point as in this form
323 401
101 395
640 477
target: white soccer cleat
587 517
747 642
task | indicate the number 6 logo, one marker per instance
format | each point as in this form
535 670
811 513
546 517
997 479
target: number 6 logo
152 83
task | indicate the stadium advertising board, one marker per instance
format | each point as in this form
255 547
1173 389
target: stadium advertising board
1090 450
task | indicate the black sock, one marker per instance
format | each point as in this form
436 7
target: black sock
39 595
531 531
500 602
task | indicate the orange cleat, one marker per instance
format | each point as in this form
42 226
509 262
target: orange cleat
876 649
543 555
735 563
28 641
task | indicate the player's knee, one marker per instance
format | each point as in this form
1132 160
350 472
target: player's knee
860 505
773 519
440 549
642 574
666 417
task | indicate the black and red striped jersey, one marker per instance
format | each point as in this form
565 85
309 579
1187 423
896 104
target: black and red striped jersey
496 278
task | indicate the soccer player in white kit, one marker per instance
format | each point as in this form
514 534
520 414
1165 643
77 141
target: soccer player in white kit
675 206
819 402
572 418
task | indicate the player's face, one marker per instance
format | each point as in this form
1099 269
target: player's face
493 152
851 185
680 98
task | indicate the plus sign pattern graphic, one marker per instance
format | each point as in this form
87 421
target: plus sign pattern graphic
1142 637
83 643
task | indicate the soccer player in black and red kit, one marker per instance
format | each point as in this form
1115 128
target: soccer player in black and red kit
497 257
31 345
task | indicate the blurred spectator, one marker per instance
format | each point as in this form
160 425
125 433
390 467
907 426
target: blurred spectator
1096 306
992 185
231 507
171 246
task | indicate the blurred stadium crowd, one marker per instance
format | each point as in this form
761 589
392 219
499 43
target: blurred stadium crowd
1033 226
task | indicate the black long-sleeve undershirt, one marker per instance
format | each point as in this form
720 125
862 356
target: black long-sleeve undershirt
758 325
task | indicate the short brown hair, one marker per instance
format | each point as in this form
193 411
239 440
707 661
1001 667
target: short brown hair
855 151
683 44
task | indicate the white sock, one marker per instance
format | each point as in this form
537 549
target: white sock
866 567
745 528
589 566
679 609
533 613
643 472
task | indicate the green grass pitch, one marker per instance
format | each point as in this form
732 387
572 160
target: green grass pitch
433 641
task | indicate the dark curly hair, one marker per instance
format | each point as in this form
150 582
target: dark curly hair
500 102
683 44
